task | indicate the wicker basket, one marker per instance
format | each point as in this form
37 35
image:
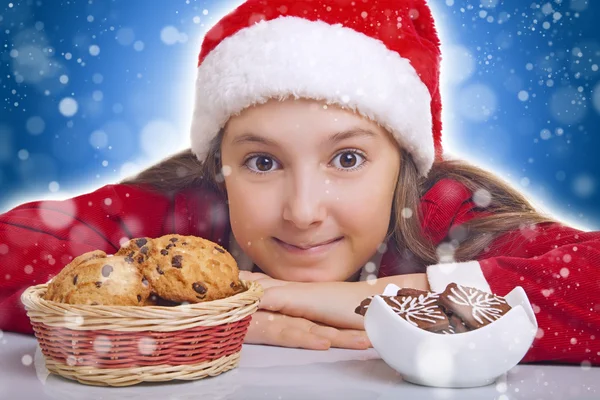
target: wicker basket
125 345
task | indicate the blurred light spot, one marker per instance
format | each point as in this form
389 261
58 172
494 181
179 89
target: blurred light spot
98 139
94 50
54 219
64 79
583 186
525 182
53 187
117 108
406 213
445 253
523 95
97 78
97 95
102 344
169 35
435 362
68 106
23 154
35 125
26 360
585 365
545 134
138 45
146 345
125 36
482 198
370 267
28 269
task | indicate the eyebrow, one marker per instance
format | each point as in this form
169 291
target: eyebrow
333 139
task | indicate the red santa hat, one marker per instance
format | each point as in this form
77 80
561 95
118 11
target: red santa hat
379 58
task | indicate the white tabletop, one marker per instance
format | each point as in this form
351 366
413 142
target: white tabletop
277 373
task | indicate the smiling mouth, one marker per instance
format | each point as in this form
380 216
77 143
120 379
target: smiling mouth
308 247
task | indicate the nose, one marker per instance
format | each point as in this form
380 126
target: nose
304 203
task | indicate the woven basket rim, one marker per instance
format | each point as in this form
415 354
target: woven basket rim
35 292
133 318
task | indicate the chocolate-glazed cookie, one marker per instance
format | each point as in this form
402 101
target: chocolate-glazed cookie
418 307
190 269
110 280
474 307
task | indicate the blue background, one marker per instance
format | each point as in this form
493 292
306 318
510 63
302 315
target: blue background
520 88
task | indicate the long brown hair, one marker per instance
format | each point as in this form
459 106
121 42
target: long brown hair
509 209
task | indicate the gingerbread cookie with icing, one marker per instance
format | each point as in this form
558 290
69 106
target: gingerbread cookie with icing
419 308
422 311
474 307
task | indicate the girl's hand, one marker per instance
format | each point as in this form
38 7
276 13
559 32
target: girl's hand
329 303
281 330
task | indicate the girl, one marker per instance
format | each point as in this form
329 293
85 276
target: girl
316 159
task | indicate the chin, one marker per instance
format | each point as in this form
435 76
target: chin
304 274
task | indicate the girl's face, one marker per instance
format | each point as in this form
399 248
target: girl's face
310 188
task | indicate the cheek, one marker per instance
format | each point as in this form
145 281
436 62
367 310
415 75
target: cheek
251 211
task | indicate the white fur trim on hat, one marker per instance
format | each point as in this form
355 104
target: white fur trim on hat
295 57
466 273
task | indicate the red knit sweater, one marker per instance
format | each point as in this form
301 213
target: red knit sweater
558 266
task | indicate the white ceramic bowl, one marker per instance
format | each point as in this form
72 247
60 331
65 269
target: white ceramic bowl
469 359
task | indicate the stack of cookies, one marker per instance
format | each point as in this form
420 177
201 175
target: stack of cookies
456 310
168 270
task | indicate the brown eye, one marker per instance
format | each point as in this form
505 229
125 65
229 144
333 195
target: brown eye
261 164
348 160
264 163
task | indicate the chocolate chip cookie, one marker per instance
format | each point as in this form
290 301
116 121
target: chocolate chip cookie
108 280
190 269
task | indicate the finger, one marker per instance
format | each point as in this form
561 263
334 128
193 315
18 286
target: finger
278 330
274 299
345 339
300 338
252 276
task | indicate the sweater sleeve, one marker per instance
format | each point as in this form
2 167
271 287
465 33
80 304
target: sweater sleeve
38 239
559 269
